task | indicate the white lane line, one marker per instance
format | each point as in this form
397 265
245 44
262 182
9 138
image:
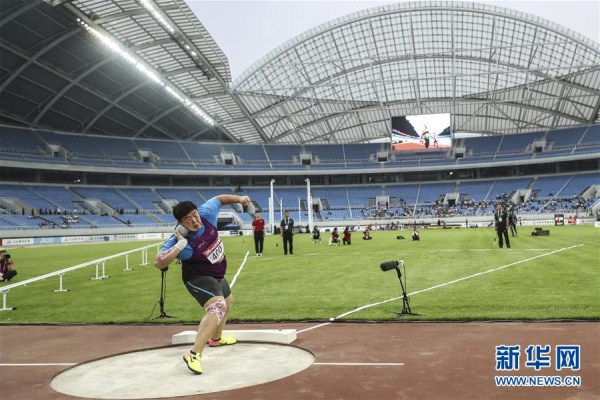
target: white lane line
360 364
457 280
239 270
495 249
512 250
39 365
314 327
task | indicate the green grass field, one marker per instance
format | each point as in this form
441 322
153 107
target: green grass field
544 278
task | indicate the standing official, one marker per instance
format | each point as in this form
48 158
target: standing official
316 235
287 233
258 227
501 219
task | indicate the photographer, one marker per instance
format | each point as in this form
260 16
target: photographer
7 271
347 236
415 235
335 237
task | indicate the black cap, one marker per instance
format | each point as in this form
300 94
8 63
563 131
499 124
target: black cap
182 209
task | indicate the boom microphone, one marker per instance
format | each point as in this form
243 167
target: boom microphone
386 266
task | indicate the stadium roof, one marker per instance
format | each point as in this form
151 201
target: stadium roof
495 70
56 72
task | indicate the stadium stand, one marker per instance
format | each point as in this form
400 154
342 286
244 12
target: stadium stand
21 140
56 205
248 153
325 153
565 138
548 187
165 150
126 153
517 143
283 154
483 145
109 196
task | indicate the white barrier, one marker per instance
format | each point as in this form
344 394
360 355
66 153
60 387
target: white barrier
60 273
82 238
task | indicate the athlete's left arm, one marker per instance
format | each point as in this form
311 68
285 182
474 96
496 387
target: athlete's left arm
226 199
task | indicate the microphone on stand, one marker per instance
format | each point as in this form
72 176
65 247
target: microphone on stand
388 265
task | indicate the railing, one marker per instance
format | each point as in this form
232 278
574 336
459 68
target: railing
100 264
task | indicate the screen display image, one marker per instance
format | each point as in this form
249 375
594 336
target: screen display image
421 132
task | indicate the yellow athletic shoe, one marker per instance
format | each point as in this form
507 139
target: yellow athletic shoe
194 362
225 340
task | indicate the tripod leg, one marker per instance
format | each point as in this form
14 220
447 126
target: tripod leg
163 294
406 305
405 299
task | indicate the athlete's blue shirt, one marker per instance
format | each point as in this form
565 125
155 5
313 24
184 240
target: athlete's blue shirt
208 211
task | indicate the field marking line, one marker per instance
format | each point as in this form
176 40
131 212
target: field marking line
314 327
475 250
513 250
39 365
358 364
456 280
239 270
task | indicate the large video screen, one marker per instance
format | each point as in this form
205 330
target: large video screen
421 132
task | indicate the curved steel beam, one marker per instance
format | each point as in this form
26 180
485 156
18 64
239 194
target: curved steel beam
338 114
402 59
110 105
344 21
31 60
18 11
99 95
157 118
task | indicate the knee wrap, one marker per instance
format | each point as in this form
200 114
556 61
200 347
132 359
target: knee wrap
218 309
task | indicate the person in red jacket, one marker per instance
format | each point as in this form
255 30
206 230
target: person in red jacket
258 227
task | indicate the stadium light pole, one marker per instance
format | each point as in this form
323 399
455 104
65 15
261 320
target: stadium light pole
271 209
281 208
299 213
309 205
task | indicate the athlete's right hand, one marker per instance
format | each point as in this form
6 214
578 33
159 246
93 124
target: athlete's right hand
181 241
178 235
